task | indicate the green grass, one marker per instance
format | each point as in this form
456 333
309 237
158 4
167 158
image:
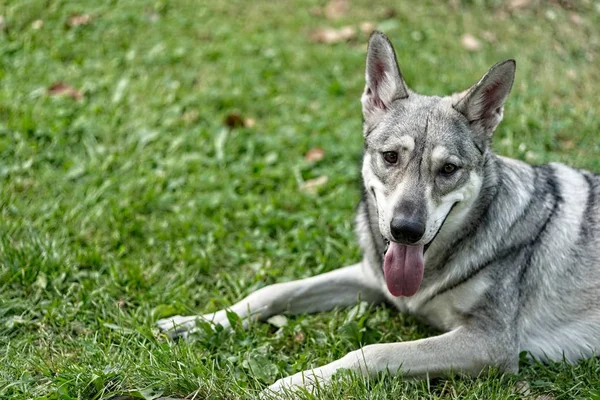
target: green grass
136 202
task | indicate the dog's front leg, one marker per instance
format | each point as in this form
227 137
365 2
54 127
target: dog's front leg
461 350
342 287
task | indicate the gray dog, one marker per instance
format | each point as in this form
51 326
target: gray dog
501 255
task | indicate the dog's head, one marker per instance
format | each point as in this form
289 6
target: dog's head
424 156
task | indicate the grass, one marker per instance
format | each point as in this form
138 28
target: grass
136 202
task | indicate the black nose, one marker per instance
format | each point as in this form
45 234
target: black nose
406 231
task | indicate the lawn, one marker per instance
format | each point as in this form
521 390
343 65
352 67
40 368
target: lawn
154 162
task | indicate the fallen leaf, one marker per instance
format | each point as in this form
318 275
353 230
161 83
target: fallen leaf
233 120
517 4
312 185
79 20
315 154
470 42
299 337
575 18
336 9
367 27
331 35
249 122
37 24
62 89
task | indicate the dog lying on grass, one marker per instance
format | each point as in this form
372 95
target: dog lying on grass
501 255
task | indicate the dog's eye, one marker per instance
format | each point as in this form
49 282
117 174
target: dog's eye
449 169
390 157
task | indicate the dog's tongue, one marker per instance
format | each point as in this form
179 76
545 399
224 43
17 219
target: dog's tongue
403 269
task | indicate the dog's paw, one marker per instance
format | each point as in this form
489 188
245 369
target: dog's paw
178 327
305 380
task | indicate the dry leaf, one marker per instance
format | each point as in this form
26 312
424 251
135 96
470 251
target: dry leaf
249 122
37 24
233 120
470 42
331 35
575 18
61 88
312 185
517 4
367 27
299 337
336 9
315 154
78 20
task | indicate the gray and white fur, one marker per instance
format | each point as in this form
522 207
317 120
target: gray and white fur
511 251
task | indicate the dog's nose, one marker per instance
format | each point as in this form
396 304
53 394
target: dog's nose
406 231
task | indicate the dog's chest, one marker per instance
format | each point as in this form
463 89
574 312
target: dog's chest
444 311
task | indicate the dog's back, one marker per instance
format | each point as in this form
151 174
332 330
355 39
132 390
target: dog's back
559 286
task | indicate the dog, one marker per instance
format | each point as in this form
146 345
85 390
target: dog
501 255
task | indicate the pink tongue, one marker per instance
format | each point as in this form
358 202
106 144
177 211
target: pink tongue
403 269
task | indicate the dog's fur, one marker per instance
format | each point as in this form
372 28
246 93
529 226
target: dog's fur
511 251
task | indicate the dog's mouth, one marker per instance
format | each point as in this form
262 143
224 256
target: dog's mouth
426 245
403 268
403 265
387 245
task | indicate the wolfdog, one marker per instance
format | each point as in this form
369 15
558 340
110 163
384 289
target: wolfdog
501 255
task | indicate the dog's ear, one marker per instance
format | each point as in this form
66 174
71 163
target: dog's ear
384 82
483 103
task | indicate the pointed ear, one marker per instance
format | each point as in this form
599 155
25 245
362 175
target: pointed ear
383 76
483 104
